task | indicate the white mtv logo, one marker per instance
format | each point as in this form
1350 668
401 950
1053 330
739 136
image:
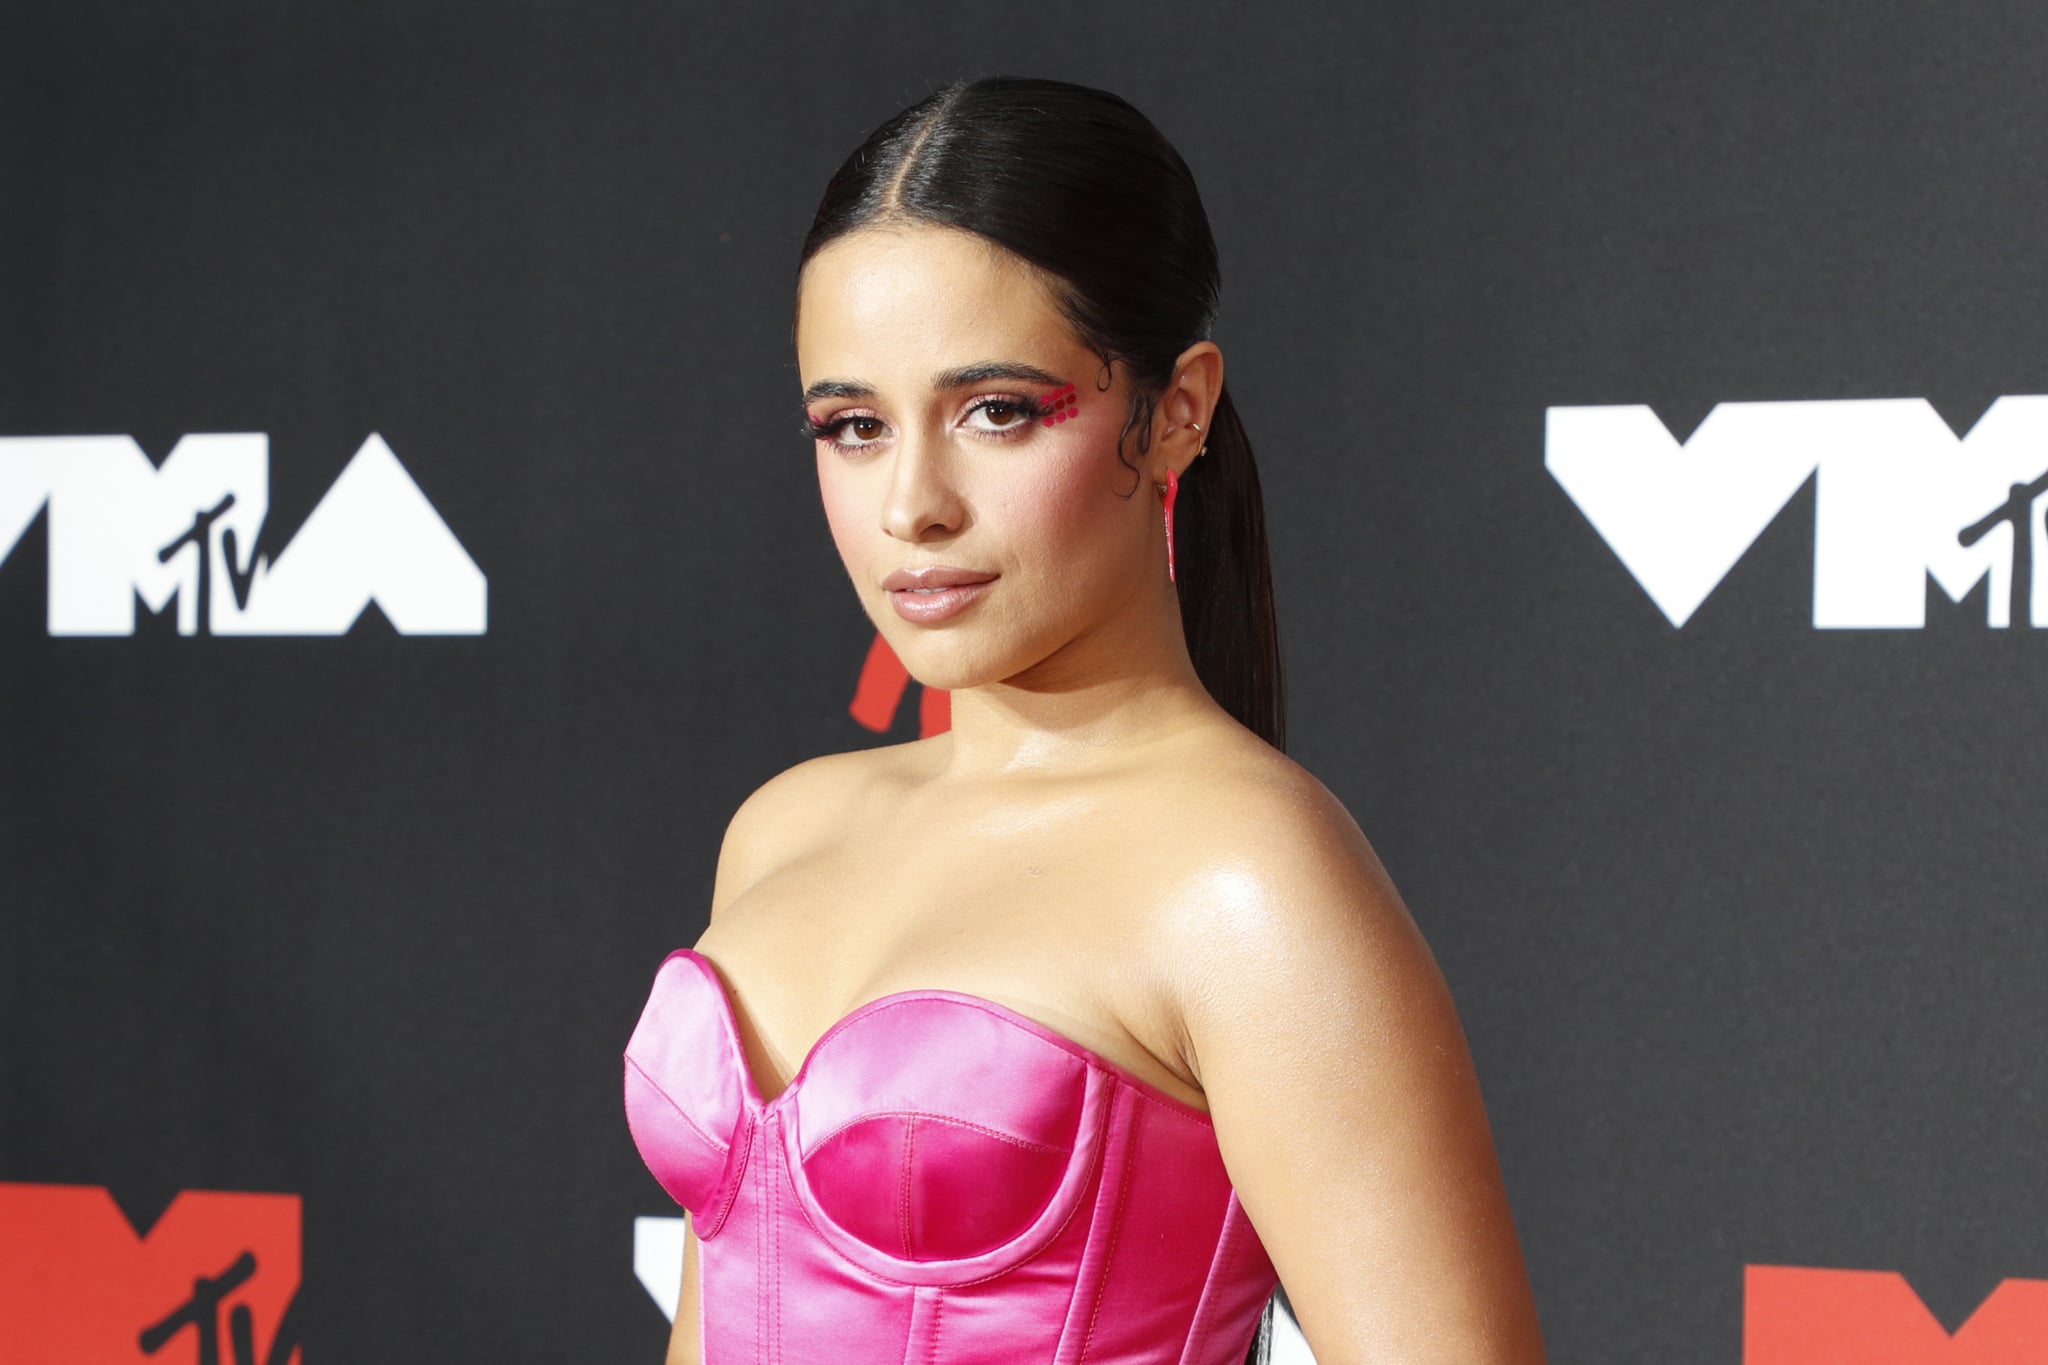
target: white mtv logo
120 528
1899 497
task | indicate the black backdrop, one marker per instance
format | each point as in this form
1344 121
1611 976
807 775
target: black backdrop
1742 916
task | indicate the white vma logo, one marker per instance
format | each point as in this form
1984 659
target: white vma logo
1899 497
121 529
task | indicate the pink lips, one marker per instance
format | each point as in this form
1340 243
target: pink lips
935 592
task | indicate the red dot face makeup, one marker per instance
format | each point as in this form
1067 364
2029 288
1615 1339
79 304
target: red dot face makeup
1062 404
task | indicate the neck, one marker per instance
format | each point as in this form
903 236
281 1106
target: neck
1092 705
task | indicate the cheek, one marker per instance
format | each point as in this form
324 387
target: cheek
841 500
1056 509
1065 511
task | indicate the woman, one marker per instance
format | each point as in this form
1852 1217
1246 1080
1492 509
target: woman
1055 1036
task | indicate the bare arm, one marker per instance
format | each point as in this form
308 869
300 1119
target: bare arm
683 1340
1344 1096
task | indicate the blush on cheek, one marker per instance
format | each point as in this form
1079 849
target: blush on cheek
1063 508
842 512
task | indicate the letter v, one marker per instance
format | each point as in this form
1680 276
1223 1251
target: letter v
1678 516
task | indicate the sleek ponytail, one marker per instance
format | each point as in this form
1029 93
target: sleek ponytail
1226 579
1078 183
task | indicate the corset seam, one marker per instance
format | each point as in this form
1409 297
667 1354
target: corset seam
681 1113
1101 1162
921 1337
1042 1033
1093 1139
1022 1261
734 1177
761 1270
982 1128
1199 1326
775 1261
1174 1107
903 1188
1116 1227
883 1004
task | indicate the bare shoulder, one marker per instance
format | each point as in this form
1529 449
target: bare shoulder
1269 859
1283 935
1338 1077
800 808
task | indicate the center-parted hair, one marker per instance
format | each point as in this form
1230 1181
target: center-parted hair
1079 184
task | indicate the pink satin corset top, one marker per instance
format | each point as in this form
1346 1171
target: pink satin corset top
943 1180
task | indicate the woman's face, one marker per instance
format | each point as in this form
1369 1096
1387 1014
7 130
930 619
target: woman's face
926 355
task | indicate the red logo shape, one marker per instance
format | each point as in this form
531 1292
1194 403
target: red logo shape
1793 1315
879 694
211 1284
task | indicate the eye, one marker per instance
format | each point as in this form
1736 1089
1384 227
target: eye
865 426
1001 417
1006 415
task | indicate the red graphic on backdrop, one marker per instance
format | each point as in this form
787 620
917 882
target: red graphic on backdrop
1792 1315
879 695
212 1283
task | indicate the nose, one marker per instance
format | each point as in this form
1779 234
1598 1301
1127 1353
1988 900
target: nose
921 500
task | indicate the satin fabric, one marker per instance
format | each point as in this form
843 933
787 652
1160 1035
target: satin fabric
944 1180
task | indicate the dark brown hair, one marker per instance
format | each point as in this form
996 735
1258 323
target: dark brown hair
1079 184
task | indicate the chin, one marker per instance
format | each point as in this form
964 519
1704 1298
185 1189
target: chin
947 675
947 665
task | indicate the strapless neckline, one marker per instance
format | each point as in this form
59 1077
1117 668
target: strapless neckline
750 1089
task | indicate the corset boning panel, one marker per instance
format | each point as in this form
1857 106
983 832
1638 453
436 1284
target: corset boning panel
944 1180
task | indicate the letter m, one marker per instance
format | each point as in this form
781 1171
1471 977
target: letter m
111 511
78 1284
1793 1315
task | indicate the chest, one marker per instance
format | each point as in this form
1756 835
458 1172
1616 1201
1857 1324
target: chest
1045 916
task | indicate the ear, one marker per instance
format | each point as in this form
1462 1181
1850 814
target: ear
1191 396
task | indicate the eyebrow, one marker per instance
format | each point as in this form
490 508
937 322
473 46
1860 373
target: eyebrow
960 378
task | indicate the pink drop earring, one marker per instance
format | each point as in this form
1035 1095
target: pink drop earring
1172 487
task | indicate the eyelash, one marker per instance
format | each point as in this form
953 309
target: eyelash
1032 409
